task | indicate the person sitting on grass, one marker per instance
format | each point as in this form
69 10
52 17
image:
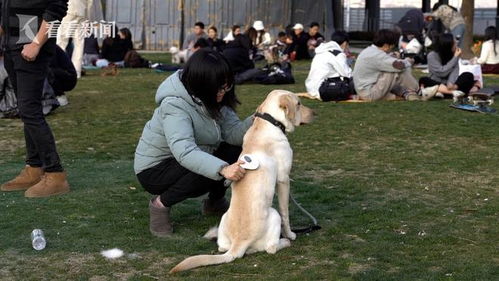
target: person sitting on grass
114 49
300 42
378 75
237 54
213 41
329 63
193 140
443 65
489 56
315 38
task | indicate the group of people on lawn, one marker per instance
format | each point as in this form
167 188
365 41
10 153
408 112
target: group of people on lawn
191 144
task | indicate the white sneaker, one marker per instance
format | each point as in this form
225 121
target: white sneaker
63 100
439 95
429 92
457 95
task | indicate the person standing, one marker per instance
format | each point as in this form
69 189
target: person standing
76 15
452 20
28 52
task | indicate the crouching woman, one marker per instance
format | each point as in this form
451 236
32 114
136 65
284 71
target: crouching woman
193 140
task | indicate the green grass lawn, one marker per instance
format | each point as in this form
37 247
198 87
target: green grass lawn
403 191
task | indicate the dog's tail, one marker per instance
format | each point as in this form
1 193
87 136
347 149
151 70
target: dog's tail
236 251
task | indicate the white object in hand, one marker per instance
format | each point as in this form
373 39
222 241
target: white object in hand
250 162
38 240
112 253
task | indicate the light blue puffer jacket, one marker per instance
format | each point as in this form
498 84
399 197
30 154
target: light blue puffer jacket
182 128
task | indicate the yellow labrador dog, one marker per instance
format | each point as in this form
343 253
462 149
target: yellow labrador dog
251 224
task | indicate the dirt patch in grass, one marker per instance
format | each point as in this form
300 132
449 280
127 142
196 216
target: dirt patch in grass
356 268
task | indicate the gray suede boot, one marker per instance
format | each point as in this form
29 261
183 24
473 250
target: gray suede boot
159 220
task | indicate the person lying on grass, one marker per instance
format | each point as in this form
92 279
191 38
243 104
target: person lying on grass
193 140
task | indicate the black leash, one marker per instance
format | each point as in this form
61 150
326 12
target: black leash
309 229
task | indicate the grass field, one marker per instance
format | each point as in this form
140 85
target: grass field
403 191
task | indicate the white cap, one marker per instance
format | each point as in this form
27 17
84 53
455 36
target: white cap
298 26
258 25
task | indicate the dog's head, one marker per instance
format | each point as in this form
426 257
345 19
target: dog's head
173 50
286 108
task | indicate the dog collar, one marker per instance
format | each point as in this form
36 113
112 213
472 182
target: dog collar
269 118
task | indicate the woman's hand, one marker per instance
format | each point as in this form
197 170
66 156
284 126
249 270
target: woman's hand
457 52
233 172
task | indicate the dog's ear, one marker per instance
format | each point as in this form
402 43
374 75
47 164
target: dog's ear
287 104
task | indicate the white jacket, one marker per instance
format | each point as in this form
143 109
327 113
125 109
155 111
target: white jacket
78 7
488 56
326 65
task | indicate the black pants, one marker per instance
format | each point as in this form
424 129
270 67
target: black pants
464 82
27 78
174 183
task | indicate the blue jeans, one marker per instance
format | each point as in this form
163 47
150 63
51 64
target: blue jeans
458 33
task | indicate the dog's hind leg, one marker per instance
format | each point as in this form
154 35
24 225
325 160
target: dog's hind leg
273 242
223 240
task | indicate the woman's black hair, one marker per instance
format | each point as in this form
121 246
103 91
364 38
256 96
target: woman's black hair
214 28
385 36
491 34
204 75
443 47
252 34
201 43
234 27
128 38
340 37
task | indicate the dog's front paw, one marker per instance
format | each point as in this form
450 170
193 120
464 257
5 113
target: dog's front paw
291 235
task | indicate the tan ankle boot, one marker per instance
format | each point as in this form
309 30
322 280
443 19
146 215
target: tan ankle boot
28 177
159 220
50 184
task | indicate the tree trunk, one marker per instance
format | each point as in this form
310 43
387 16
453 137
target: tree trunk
468 12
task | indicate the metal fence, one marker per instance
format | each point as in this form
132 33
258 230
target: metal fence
390 16
160 24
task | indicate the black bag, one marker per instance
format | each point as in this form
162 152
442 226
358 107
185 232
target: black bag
336 89
277 73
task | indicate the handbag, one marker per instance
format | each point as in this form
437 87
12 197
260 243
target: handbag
335 89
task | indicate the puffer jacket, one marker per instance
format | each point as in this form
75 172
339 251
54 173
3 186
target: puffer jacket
20 12
182 128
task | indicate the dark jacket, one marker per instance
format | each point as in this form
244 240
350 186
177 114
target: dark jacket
300 45
91 46
115 49
217 45
237 53
20 12
62 73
